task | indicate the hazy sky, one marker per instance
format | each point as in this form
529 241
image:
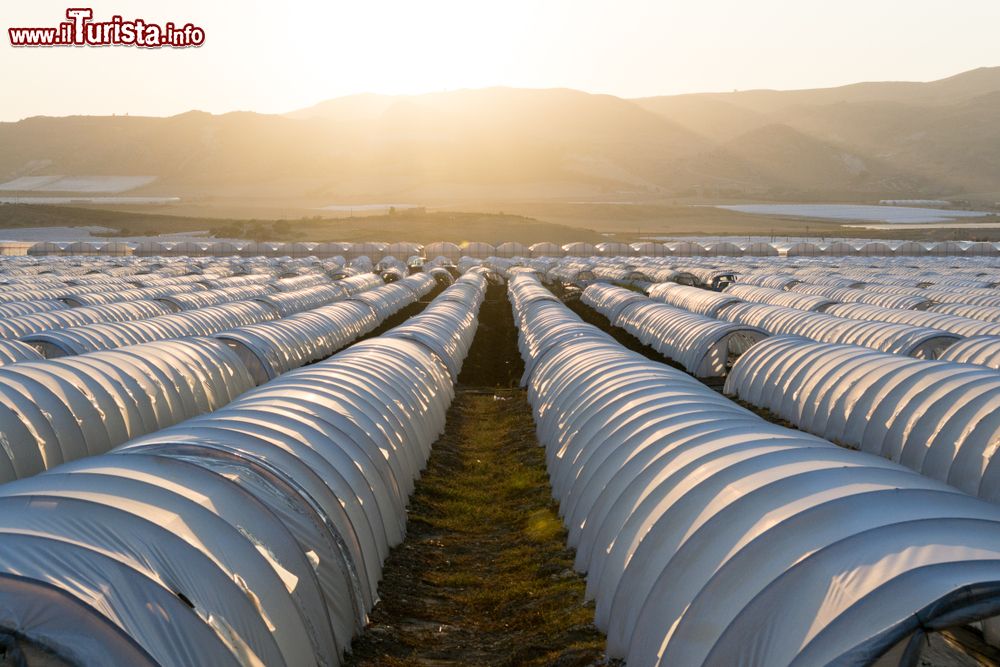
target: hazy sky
281 55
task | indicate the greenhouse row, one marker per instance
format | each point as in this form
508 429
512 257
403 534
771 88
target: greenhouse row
209 461
710 536
482 250
308 476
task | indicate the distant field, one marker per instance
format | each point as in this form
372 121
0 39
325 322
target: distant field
527 222
856 212
415 226
88 184
71 200
630 221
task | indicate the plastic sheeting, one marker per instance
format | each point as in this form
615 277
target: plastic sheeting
704 346
900 339
18 308
478 249
239 281
133 294
613 249
512 249
686 249
361 282
301 282
448 325
849 295
712 537
984 313
545 249
960 326
941 419
288 352
34 291
394 296
777 297
611 301
271 348
649 249
259 529
24 325
445 249
694 299
615 274
778 281
287 303
62 409
579 249
981 350
986 298
346 450
575 271
108 336
13 351
214 297
723 248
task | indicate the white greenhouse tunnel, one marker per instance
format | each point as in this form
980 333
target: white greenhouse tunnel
191 451
17 308
849 295
58 410
931 319
894 338
702 302
124 303
697 248
710 536
24 325
777 297
979 350
13 351
129 293
201 320
887 336
258 529
271 348
976 312
939 418
107 336
213 297
704 346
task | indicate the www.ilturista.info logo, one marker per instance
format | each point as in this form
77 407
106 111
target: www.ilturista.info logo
82 30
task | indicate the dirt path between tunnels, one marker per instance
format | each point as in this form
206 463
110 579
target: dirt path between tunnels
484 576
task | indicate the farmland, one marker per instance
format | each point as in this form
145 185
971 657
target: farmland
528 460
466 334
491 222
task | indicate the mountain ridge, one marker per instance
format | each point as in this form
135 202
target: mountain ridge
938 138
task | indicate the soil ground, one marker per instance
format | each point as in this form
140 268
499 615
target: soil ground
484 576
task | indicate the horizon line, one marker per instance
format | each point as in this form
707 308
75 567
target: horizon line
506 87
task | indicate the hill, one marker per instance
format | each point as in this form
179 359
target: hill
939 137
865 141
